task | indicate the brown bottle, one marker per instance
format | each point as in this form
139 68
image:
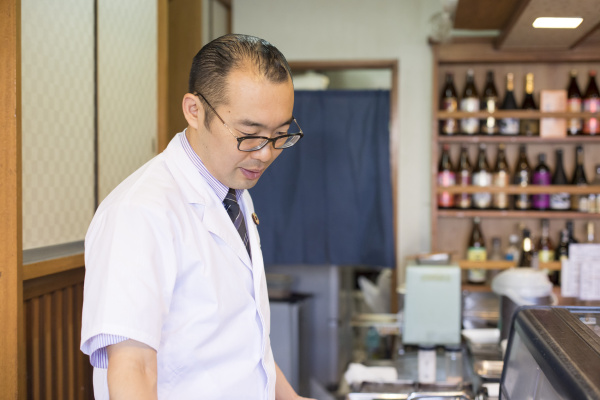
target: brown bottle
470 103
591 103
544 246
501 178
463 178
527 250
489 102
476 252
449 102
574 125
446 177
509 126
482 176
579 202
529 127
522 178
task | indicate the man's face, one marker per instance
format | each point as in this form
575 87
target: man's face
256 107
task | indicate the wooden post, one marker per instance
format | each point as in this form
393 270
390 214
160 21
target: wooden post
163 74
12 339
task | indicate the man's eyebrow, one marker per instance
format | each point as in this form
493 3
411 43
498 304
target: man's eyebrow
253 124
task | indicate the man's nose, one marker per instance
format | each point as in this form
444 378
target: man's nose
266 153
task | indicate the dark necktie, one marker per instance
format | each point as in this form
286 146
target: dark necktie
235 213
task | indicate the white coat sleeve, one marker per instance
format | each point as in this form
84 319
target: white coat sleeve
131 267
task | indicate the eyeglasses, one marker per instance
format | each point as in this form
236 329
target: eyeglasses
253 143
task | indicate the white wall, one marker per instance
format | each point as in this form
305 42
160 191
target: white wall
376 29
127 89
57 67
58 99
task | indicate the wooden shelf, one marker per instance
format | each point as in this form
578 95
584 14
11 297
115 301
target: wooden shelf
452 213
515 189
469 287
465 264
516 139
450 228
520 114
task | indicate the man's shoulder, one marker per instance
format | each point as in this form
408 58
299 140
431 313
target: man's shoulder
152 184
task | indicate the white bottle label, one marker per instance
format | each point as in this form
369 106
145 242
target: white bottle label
509 126
469 126
560 201
484 179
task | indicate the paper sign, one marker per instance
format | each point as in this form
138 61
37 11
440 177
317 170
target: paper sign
580 274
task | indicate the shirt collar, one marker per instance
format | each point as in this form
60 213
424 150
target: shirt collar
219 189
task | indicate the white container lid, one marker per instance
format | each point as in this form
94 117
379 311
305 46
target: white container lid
522 285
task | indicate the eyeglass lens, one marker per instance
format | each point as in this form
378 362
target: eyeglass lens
250 144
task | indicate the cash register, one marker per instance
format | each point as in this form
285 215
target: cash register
553 353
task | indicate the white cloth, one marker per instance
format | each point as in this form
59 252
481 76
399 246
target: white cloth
358 373
165 266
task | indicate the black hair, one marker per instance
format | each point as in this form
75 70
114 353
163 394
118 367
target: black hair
213 63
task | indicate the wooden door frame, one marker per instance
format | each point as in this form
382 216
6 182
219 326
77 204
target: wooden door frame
393 66
162 132
12 344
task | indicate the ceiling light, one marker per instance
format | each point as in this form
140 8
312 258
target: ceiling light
564 23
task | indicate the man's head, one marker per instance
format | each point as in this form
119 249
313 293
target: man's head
240 86
213 63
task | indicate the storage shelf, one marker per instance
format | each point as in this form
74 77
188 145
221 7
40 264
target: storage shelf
520 114
452 213
450 227
466 264
516 189
517 139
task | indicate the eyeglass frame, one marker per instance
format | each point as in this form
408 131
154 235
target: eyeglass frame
242 138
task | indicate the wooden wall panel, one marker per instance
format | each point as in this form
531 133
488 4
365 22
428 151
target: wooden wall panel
12 351
56 368
184 41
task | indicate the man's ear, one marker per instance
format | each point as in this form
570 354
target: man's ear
193 110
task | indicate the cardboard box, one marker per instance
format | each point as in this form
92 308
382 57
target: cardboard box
553 100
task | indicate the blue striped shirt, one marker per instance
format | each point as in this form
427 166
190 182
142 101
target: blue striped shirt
98 344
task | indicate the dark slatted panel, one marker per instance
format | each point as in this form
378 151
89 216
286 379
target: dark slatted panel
56 369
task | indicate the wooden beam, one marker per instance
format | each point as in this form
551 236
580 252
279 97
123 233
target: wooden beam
517 11
163 76
483 14
342 64
12 339
184 41
583 38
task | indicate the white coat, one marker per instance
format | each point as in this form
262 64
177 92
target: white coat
165 266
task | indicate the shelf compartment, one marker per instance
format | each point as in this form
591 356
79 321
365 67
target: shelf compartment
451 213
515 189
517 139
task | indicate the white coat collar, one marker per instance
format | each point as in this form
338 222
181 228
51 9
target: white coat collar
196 190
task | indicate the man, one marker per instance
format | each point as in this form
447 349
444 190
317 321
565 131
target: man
175 301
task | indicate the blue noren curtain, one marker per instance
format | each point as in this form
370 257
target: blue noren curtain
328 199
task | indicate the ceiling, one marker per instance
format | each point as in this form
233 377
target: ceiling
514 18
